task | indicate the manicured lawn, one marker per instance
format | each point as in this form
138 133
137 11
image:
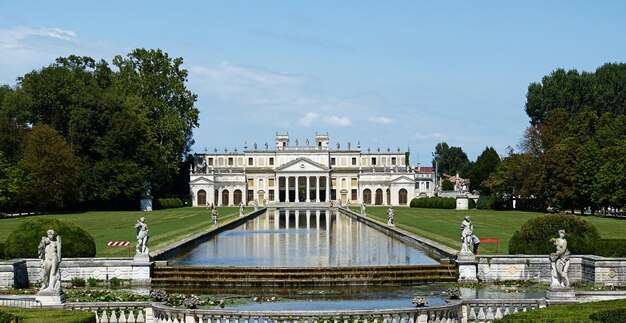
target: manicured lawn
165 226
570 313
443 226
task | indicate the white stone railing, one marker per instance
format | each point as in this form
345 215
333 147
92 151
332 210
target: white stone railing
487 310
116 312
445 313
24 302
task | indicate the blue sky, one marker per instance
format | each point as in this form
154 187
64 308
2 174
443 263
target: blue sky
388 74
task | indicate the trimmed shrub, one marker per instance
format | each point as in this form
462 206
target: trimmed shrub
92 282
115 282
2 255
40 315
168 203
23 241
613 315
471 204
415 202
610 247
485 202
434 202
533 237
77 281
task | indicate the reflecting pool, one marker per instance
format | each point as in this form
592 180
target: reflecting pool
302 238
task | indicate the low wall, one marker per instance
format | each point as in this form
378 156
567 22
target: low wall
22 272
432 248
587 269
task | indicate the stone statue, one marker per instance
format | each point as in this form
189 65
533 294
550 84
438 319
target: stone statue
296 141
255 145
390 215
467 230
142 236
363 209
559 261
348 204
241 209
307 142
256 206
266 145
50 255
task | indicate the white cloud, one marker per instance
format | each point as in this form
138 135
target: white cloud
431 136
250 85
381 120
308 119
338 121
17 37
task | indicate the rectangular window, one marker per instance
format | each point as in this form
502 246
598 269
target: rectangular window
354 195
427 186
250 161
271 161
270 195
373 161
354 182
333 183
250 182
230 161
353 161
393 160
270 183
211 161
333 161
250 195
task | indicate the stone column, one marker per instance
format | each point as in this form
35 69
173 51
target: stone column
328 188
219 198
317 189
297 190
308 187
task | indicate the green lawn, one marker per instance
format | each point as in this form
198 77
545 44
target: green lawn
165 226
443 226
571 313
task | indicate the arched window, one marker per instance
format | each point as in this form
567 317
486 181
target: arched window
367 196
237 197
201 197
402 197
379 197
225 197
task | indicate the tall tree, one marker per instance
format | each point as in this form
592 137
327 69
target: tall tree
452 160
51 173
485 164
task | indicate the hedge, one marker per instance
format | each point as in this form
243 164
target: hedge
434 202
485 202
168 203
471 204
533 237
38 315
23 242
610 247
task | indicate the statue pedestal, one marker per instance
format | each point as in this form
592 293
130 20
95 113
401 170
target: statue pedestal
467 268
560 293
141 268
50 297
462 202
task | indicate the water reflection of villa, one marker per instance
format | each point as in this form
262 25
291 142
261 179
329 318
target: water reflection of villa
309 173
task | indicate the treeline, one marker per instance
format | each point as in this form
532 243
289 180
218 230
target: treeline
82 134
572 154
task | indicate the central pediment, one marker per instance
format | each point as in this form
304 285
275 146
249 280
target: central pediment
302 165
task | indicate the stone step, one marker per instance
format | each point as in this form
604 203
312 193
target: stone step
302 269
210 274
302 281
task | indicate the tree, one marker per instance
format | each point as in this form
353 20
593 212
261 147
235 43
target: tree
452 160
485 164
51 174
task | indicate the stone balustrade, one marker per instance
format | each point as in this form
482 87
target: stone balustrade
487 310
116 312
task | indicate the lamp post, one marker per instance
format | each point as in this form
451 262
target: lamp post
436 157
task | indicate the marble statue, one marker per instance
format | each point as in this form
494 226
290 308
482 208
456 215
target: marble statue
256 206
559 261
214 217
390 215
348 204
142 236
363 209
467 230
50 255
241 209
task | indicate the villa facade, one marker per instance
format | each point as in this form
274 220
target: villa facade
309 173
